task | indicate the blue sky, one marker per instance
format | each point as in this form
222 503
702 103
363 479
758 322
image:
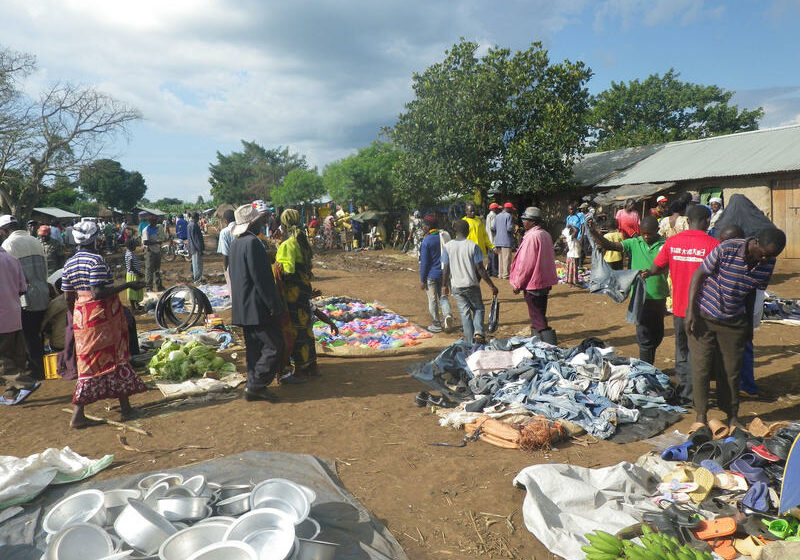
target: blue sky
323 76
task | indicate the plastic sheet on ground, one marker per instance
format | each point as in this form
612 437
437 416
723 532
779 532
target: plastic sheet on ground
584 276
218 295
200 386
22 479
366 329
781 310
343 519
210 336
564 502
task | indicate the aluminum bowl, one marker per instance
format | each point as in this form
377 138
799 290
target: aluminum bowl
150 480
118 555
80 541
315 550
308 529
178 491
196 484
282 489
116 500
156 491
142 528
310 494
184 543
234 506
231 490
182 508
86 506
261 519
279 504
217 519
225 551
270 544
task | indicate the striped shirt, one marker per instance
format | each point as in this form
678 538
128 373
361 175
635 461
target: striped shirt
132 263
84 270
730 280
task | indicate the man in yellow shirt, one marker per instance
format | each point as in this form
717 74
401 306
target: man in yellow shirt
477 231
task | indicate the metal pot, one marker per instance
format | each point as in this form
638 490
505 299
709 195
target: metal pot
150 480
116 500
86 506
196 484
81 541
234 506
231 490
184 543
315 550
182 508
264 519
142 528
282 489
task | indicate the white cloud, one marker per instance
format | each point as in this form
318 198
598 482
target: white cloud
629 13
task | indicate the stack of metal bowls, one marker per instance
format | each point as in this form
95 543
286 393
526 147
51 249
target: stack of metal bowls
168 518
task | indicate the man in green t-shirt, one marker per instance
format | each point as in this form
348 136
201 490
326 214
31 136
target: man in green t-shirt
643 250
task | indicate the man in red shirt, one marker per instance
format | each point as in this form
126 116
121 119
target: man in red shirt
660 211
682 254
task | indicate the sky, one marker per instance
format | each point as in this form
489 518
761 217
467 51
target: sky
322 77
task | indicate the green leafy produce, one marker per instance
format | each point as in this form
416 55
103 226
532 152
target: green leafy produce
176 362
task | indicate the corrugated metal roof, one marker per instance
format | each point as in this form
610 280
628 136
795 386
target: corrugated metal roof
595 167
746 153
55 212
153 211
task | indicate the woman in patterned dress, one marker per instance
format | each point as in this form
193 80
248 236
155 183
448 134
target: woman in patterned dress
100 329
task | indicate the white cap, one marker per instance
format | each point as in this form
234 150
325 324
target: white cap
7 219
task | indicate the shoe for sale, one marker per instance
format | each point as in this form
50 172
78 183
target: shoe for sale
435 329
448 323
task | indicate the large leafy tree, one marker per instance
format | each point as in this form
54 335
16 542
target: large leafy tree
109 184
510 119
366 178
57 134
240 177
301 186
664 109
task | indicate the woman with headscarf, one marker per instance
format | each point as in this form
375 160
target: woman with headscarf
99 327
294 262
715 203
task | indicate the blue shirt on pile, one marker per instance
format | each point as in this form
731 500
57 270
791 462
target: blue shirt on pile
430 257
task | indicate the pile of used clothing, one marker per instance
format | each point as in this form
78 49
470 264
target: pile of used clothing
365 325
727 489
218 295
584 276
586 385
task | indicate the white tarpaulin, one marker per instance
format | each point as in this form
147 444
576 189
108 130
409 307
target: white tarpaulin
564 502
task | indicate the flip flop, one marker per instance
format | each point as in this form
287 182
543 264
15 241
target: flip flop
708 450
676 486
718 429
699 434
677 452
680 474
750 546
751 473
705 482
763 452
778 527
730 450
757 497
724 548
753 460
712 466
730 482
710 529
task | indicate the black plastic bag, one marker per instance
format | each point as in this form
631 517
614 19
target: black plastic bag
494 314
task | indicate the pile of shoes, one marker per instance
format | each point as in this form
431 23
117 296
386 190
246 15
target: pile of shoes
734 475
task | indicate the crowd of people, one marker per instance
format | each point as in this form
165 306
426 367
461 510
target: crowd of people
56 284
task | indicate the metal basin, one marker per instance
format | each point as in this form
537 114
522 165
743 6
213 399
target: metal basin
116 500
150 480
142 528
184 543
156 491
264 519
225 551
234 506
315 550
282 489
178 491
81 541
310 494
182 508
270 544
231 490
118 555
308 528
196 484
86 506
217 519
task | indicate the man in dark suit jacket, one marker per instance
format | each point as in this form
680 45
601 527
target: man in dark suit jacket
257 305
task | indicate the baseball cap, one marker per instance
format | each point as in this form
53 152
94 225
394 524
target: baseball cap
660 198
494 206
508 205
7 219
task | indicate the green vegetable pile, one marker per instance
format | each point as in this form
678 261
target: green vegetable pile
175 362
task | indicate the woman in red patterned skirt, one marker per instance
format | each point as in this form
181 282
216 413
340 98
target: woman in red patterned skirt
101 333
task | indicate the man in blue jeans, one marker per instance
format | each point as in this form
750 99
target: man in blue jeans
430 276
463 267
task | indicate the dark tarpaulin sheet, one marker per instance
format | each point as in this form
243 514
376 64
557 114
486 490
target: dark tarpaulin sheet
343 519
740 211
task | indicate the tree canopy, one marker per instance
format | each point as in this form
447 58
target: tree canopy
241 177
109 184
664 109
513 120
57 134
301 186
366 178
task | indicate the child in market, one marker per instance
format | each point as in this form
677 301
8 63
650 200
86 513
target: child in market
133 273
613 258
570 234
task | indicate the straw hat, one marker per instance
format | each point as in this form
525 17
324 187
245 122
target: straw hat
244 215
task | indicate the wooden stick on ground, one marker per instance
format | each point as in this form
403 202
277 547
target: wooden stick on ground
113 423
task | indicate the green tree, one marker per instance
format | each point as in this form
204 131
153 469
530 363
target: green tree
515 119
241 177
63 130
664 109
301 186
109 184
64 194
366 178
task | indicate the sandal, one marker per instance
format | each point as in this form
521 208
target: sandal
750 546
718 429
699 434
677 452
711 529
724 548
708 450
757 498
753 526
705 482
763 452
730 450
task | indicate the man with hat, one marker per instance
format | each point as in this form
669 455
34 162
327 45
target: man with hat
534 272
504 239
30 254
494 208
430 276
33 227
660 211
151 241
256 303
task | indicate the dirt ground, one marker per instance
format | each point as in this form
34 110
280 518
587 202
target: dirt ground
438 502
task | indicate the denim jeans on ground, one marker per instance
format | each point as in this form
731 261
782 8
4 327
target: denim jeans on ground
470 306
437 302
197 267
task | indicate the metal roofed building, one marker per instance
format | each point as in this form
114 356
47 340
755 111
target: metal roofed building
51 213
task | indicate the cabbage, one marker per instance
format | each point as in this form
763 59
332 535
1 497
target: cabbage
201 365
176 356
187 369
198 352
228 368
217 363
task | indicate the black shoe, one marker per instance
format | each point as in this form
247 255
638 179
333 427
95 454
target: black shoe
421 399
290 379
260 395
